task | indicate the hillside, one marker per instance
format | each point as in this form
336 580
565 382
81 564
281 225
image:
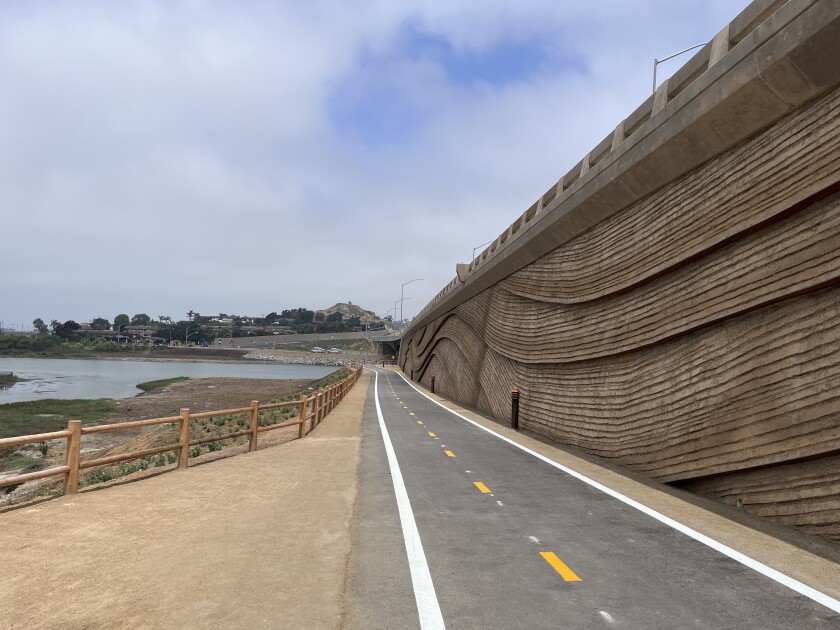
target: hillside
348 310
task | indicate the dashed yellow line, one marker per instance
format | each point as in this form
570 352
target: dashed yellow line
432 434
565 572
449 453
482 487
410 414
419 422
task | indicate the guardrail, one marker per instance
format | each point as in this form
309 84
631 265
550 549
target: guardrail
312 410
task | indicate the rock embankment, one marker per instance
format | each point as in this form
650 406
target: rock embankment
300 359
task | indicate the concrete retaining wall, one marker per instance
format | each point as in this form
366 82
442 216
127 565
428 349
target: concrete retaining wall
673 305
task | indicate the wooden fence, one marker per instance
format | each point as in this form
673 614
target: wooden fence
312 410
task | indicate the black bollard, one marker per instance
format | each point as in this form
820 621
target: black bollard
433 384
514 409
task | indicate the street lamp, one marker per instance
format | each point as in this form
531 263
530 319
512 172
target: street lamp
477 247
188 334
656 62
402 289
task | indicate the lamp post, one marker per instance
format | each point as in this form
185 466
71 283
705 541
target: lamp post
188 334
656 62
476 247
402 290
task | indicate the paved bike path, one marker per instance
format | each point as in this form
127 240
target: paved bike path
511 541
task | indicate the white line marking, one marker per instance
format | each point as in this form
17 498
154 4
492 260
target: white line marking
606 616
500 504
424 589
755 565
534 540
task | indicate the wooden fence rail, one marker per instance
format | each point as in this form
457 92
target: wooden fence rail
312 410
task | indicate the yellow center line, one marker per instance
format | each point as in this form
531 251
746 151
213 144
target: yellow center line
432 434
449 453
565 572
410 414
482 487
419 422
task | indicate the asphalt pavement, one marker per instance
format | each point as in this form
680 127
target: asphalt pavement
455 527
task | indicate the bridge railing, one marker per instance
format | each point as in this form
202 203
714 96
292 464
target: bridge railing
733 33
311 410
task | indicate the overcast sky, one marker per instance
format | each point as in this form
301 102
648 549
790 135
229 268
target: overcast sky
246 157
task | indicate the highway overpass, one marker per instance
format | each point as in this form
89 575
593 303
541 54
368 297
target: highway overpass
672 303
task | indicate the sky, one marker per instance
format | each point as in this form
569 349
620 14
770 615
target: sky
246 157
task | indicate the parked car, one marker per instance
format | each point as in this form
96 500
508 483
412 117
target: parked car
317 349
334 350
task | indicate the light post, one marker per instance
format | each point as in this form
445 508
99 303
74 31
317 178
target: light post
477 247
188 334
656 62
402 290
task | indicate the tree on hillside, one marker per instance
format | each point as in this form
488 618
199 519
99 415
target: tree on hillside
320 317
100 323
120 321
141 319
40 326
335 317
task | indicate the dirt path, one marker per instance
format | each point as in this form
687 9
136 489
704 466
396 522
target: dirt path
254 541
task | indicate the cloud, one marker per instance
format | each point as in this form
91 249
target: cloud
249 157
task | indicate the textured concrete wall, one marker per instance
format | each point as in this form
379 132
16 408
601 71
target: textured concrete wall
693 334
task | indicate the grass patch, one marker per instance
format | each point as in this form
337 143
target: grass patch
333 378
17 461
50 414
164 382
8 378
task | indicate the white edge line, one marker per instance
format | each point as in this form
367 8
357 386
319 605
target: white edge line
428 607
773 574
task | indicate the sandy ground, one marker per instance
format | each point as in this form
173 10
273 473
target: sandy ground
255 541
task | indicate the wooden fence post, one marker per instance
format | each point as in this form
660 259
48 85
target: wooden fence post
71 456
255 422
319 399
302 431
184 441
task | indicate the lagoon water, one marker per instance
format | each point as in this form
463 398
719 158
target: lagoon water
82 378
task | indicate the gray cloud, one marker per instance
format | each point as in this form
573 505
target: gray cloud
163 156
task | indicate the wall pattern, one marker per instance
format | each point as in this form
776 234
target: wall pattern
693 337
